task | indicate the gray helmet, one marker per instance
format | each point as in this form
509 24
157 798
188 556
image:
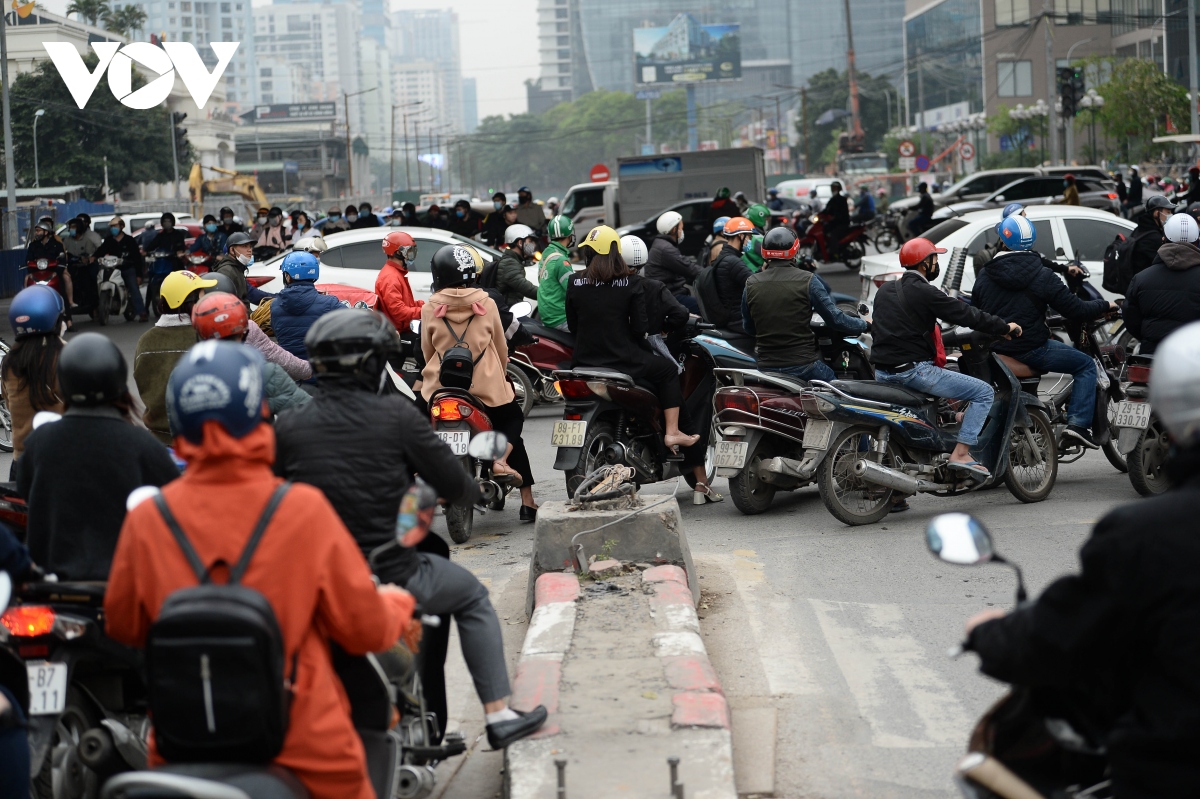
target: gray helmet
1175 384
1159 201
238 238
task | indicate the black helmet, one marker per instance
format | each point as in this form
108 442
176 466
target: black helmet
351 341
1159 201
223 210
237 238
780 244
224 283
454 265
91 371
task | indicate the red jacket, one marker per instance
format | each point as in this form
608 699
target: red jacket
395 296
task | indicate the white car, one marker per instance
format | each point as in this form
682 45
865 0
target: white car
1063 232
355 257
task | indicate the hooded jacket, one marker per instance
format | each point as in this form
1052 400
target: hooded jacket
668 266
395 296
1017 288
1165 296
484 336
307 566
732 274
157 352
511 280
293 312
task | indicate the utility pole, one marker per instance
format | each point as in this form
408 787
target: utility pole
1051 73
10 178
349 152
693 135
804 124
856 129
921 101
407 174
778 137
392 157
1192 70
174 156
649 137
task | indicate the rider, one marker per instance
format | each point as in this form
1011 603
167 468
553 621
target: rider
334 222
715 242
294 309
773 201
351 421
838 209
395 294
229 225
307 566
1120 627
924 218
864 209
509 273
907 340
667 264
80 243
77 472
239 254
212 242
172 241
125 247
1148 235
731 272
721 205
776 307
494 224
554 272
272 234
1018 288
44 244
295 368
366 217
29 372
1166 296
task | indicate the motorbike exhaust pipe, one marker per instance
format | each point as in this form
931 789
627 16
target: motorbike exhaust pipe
414 782
99 753
878 474
489 490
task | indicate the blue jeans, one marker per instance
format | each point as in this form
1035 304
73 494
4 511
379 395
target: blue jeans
817 370
129 275
689 302
929 379
1054 356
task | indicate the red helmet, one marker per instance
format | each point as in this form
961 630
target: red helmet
780 244
220 315
400 242
915 251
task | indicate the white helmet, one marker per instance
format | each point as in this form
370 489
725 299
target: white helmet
669 221
518 231
552 201
633 251
314 244
1175 384
1181 228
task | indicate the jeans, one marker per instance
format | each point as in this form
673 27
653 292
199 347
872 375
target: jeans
14 753
1054 356
689 302
129 275
817 370
929 379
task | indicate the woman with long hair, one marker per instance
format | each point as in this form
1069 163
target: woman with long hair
29 372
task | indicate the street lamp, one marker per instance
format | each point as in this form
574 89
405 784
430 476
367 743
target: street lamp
37 178
1093 102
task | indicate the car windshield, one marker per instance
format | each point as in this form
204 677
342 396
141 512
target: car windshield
953 189
941 231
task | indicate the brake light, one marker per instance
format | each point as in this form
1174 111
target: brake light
258 280
1111 196
574 389
737 399
450 410
1139 374
28 621
886 277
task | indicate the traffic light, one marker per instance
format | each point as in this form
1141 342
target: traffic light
1070 89
1077 87
180 132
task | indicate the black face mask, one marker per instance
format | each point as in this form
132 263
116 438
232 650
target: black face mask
932 272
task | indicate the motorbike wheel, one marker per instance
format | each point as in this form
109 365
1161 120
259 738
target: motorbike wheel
61 765
751 495
522 387
852 255
851 500
1110 449
887 240
598 437
6 432
103 307
1147 459
1027 480
459 522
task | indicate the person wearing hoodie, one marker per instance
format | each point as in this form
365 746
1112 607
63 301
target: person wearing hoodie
668 265
1016 287
294 309
495 223
1166 295
732 273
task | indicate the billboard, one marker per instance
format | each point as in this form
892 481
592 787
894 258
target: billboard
291 112
687 52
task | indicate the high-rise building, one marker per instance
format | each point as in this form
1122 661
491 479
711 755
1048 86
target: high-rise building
322 38
375 106
470 106
282 81
431 36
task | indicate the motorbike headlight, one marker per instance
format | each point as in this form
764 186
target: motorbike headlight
813 218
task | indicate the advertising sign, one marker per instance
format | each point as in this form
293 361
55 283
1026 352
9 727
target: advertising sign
687 52
291 112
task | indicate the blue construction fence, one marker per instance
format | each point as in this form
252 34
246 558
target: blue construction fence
60 212
12 276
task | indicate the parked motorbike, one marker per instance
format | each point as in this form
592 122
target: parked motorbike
848 250
111 288
458 418
1141 437
1034 742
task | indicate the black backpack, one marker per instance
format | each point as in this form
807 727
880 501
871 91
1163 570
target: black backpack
709 298
215 663
458 367
1118 263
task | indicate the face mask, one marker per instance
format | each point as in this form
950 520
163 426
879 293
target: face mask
364 211
460 213
351 217
244 260
680 239
1065 183
211 227
497 205
529 248
167 227
933 274
116 231
71 233
227 220
262 220
746 246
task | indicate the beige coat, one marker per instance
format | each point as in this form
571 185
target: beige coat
484 335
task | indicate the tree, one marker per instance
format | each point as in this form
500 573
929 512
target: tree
90 11
73 142
126 19
830 90
1138 101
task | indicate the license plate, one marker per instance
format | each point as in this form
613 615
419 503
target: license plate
457 440
816 434
568 434
47 687
730 455
1132 414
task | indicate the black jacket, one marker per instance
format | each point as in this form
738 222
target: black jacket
49 248
1149 238
493 228
732 274
838 207
903 331
664 313
609 323
1016 287
468 226
1126 626
670 267
1165 296
76 474
361 450
127 248
1134 192
924 205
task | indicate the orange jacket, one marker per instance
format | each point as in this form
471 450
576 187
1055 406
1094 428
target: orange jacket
395 296
307 566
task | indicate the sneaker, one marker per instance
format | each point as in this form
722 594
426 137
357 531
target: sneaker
503 733
1082 435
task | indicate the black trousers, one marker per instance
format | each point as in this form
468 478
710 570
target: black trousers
661 376
509 420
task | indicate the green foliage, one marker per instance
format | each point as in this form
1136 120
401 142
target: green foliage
126 19
90 11
830 89
73 142
1138 99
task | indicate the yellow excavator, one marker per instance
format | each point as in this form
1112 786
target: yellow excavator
234 182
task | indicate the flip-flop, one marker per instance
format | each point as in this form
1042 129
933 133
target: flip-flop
973 467
899 507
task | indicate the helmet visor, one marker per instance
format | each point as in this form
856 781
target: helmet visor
408 253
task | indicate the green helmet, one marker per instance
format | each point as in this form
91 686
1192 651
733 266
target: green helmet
723 193
753 257
560 227
758 214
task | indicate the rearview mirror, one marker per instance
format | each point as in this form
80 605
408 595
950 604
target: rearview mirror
1060 252
959 538
5 589
1000 199
521 309
488 446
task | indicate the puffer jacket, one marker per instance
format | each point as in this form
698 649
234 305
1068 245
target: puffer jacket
732 274
293 312
1164 297
511 280
296 368
281 390
232 268
484 336
669 266
1149 237
1017 288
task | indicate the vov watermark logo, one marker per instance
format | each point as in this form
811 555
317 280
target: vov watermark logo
163 61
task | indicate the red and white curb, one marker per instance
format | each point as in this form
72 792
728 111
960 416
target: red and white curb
551 627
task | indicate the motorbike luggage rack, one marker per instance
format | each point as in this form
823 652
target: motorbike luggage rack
844 395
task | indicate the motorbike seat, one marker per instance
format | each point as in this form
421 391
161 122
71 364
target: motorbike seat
881 392
206 781
597 372
567 339
739 341
82 593
1019 370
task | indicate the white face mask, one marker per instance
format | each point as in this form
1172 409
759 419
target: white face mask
680 239
529 248
245 260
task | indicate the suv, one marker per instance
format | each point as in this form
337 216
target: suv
1039 190
975 186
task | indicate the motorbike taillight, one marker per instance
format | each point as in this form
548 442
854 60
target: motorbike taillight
1138 374
28 621
574 389
450 410
737 399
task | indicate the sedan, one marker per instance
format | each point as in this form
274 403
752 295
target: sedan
1041 190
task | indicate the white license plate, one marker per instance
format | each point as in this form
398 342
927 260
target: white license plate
457 440
816 434
730 455
568 434
1132 414
47 687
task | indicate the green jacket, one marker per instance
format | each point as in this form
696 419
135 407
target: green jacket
157 352
510 279
553 276
281 390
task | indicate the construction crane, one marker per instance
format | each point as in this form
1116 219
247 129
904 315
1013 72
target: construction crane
245 186
852 140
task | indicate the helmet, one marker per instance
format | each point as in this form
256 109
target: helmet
1194 170
1181 228
668 222
772 192
344 341
881 192
514 232
1069 178
1175 384
758 214
1009 210
601 240
35 310
223 210
633 250
723 193
719 225
552 201
217 380
220 315
314 244
915 251
301 265
454 265
560 227
835 186
92 371
780 244
238 239
1158 201
1017 233
400 242
224 284
178 287
738 224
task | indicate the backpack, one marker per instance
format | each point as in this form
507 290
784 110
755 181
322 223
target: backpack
1118 263
458 367
487 278
709 298
215 663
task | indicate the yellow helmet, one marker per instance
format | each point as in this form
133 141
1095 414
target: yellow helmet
178 286
601 239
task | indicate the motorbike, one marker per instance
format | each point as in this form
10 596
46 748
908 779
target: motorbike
459 419
536 363
884 232
1141 437
199 262
44 272
848 250
866 441
1034 742
162 263
111 288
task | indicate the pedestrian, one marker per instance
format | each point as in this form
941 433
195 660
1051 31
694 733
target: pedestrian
1133 196
334 223
1070 195
1122 192
528 213
131 265
29 373
555 271
294 309
495 223
465 221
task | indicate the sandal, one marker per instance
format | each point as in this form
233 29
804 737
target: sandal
514 478
974 468
900 507
703 493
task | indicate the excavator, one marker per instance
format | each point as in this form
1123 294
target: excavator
234 182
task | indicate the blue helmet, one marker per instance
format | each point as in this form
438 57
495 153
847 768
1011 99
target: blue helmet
719 225
1010 209
35 310
218 380
1017 233
301 266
